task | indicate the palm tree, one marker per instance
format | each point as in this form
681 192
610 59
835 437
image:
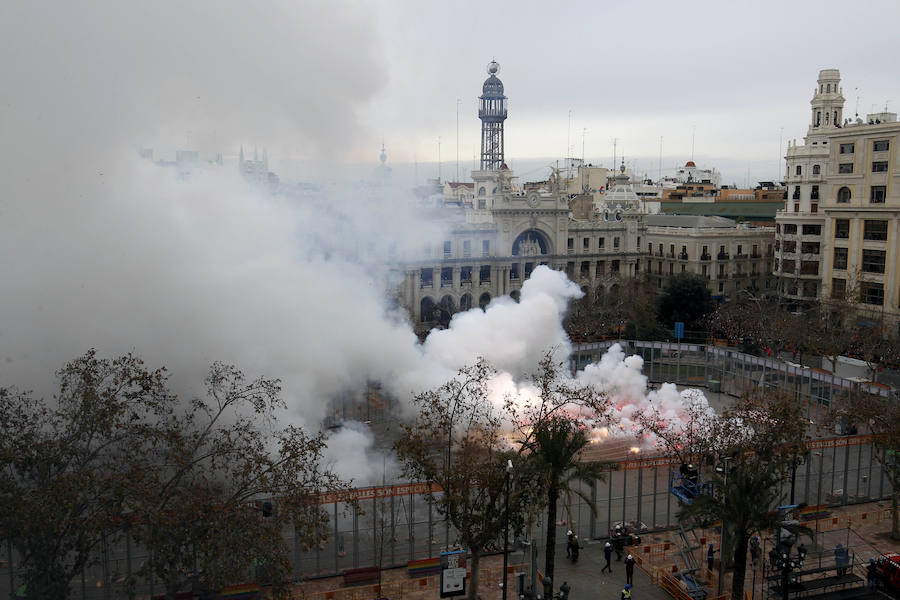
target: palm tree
553 452
744 502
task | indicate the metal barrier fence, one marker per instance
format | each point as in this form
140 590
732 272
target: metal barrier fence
396 525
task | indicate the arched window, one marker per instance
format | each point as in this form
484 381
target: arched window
515 295
828 88
844 195
481 191
465 302
484 300
816 169
426 309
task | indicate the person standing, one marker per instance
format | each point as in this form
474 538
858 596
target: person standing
607 554
626 592
710 557
871 575
754 551
564 590
629 569
841 559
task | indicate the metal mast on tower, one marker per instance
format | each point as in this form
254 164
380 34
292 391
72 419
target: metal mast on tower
492 112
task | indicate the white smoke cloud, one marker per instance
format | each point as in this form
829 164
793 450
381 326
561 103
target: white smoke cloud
101 249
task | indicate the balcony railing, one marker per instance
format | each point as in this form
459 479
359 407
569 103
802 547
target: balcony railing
683 256
722 256
705 257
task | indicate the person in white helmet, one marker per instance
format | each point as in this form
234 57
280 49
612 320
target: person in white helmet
629 569
607 554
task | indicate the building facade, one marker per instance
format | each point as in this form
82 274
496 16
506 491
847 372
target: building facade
839 235
499 231
733 258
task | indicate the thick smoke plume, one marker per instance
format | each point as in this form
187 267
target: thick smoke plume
99 248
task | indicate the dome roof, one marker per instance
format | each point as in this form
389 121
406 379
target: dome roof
689 163
493 87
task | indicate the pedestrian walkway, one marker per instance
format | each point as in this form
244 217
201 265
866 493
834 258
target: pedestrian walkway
589 584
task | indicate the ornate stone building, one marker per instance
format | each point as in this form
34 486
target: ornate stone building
839 235
496 238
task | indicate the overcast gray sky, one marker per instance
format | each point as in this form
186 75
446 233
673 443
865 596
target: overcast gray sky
737 71
314 80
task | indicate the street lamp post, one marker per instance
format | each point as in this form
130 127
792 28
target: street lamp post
722 539
509 468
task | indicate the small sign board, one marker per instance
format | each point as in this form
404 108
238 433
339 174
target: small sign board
679 330
453 573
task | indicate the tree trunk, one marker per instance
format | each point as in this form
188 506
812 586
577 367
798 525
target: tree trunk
895 519
740 566
552 497
473 583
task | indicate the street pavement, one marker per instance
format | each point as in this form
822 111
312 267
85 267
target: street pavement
588 583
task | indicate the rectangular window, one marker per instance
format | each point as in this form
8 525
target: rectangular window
482 204
796 195
447 248
570 269
881 145
513 272
812 230
871 293
790 228
838 288
875 230
789 246
740 250
465 273
446 276
671 269
585 268
601 268
814 193
842 229
602 243
840 258
484 274
873 261
788 266
798 170
809 247
809 267
878 194
529 267
425 276
845 168
615 266
570 244
615 242
467 248
848 148
586 244
486 247
879 166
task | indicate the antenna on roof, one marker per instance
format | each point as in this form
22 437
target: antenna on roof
856 110
693 136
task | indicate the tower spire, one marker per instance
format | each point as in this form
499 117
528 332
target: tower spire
492 112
